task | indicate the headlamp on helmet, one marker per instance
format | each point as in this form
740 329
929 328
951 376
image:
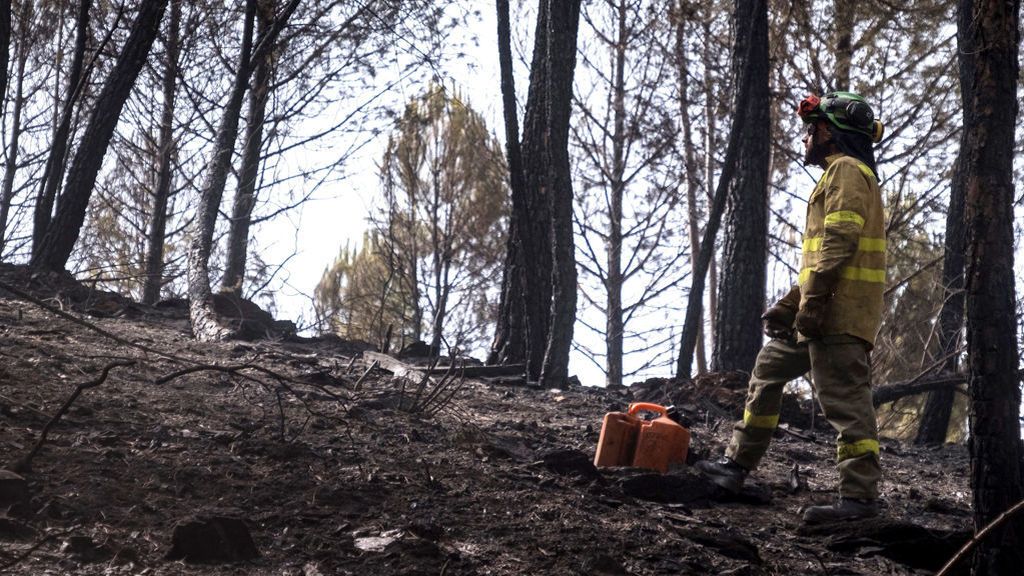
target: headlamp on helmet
845 110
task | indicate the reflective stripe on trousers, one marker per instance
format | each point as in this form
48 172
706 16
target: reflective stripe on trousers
840 368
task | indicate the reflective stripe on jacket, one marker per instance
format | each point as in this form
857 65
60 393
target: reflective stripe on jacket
846 233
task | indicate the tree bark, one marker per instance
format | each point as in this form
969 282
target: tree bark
694 304
245 192
54 172
509 345
168 145
934 424
563 25
62 232
744 258
13 146
990 30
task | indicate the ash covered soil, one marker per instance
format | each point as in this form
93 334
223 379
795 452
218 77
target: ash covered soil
333 475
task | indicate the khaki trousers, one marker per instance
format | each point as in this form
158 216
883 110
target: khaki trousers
841 369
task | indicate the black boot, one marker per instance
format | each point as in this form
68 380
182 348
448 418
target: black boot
724 473
844 509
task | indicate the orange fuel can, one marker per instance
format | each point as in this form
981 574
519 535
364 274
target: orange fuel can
628 440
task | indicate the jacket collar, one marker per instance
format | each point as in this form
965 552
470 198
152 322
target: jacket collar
832 158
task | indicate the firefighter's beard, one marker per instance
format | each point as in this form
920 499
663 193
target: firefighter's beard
814 155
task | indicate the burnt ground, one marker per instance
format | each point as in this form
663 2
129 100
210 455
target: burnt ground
331 477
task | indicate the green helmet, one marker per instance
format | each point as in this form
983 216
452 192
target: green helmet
845 110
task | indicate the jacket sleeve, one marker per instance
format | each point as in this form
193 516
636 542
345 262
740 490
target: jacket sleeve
846 202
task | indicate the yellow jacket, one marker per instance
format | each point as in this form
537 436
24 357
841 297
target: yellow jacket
845 231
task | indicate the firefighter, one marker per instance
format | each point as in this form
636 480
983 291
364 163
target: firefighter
827 323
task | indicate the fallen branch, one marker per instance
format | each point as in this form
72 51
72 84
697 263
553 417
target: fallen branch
351 363
359 382
282 384
24 464
980 536
893 392
430 396
785 429
392 364
201 368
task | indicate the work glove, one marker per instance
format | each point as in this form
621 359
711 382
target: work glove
817 295
778 319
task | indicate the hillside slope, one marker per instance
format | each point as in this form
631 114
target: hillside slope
331 477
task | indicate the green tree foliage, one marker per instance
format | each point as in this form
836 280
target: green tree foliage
428 267
357 297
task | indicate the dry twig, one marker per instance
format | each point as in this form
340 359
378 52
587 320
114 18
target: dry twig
24 464
980 536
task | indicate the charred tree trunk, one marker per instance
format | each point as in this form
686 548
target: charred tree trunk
54 172
694 303
56 245
744 258
245 193
509 345
563 25
711 143
166 152
690 162
934 424
990 31
541 266
5 44
534 231
443 291
614 324
13 146
844 20
205 325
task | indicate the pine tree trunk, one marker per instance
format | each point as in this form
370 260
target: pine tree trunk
509 345
935 417
744 258
844 20
990 29
614 325
62 233
535 231
690 163
14 144
54 172
205 326
158 219
694 303
5 44
563 25
245 192
540 265
711 143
